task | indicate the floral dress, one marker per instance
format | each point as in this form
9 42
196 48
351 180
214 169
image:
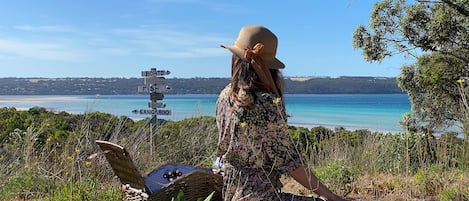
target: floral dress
255 148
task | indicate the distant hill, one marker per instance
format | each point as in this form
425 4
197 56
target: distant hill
123 86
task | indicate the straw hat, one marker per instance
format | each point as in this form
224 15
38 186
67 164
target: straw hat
249 36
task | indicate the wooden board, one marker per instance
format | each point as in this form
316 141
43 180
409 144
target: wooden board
122 164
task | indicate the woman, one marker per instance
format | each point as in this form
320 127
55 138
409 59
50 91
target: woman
253 143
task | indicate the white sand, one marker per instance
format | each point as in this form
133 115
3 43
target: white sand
16 99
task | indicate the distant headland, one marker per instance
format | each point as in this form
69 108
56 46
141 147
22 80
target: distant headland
124 86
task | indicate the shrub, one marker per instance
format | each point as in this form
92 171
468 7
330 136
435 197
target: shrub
84 191
453 193
429 181
25 187
337 176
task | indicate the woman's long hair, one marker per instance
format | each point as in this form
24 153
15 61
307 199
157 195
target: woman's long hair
245 82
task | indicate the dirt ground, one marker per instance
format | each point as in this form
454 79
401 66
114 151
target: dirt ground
368 188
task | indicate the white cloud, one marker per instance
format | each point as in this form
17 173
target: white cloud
163 41
48 28
188 53
37 50
172 43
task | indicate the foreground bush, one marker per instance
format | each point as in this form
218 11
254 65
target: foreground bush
337 176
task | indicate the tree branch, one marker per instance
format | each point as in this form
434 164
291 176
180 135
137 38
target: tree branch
464 11
457 7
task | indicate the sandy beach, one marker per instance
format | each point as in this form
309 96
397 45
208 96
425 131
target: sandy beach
17 99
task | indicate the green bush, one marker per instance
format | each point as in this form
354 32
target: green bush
25 187
454 193
429 180
337 176
84 191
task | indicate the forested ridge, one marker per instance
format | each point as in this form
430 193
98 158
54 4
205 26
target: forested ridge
122 86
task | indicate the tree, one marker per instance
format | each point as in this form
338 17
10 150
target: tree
436 34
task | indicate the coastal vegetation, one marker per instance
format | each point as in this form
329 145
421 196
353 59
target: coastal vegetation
434 34
48 155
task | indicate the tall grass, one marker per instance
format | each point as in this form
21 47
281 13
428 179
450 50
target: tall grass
54 167
428 165
40 162
45 163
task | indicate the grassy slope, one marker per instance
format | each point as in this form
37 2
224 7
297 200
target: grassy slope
47 158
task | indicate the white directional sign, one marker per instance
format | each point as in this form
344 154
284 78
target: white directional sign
155 105
154 72
154 80
152 88
163 112
152 111
160 88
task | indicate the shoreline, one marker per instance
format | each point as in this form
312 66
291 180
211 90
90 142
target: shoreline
299 125
35 98
350 128
306 111
296 124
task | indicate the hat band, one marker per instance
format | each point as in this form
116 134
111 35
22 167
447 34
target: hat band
265 54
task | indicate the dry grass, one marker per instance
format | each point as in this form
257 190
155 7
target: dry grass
382 187
58 168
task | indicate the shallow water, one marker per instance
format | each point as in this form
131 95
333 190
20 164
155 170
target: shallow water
376 112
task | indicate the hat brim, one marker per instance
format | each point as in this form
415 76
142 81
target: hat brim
270 63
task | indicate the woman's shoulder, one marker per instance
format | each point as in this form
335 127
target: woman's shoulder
225 92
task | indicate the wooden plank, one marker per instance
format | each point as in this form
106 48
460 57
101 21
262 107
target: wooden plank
122 164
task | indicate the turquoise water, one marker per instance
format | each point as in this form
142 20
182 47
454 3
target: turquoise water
376 112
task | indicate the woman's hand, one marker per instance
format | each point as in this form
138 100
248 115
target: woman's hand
305 177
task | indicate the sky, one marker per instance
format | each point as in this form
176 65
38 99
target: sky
121 38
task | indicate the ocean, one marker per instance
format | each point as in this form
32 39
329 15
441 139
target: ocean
375 112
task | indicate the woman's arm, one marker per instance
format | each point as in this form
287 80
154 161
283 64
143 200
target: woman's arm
305 177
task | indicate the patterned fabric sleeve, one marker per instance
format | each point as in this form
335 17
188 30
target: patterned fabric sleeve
223 121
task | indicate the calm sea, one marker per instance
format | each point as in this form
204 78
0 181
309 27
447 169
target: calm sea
376 112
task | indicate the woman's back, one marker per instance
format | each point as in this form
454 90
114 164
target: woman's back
255 146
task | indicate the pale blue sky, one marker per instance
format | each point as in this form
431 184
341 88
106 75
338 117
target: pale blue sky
120 38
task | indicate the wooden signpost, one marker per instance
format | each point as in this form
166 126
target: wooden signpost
155 85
